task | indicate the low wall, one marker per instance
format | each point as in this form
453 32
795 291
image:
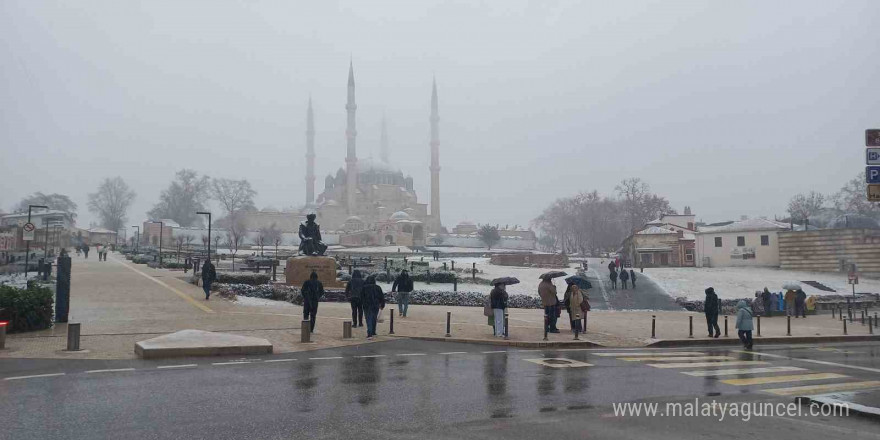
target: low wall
530 260
831 250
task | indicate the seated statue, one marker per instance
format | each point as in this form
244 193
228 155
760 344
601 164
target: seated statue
310 237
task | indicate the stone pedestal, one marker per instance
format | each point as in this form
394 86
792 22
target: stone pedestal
300 268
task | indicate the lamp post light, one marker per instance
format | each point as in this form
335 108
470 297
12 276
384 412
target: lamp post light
208 213
137 239
27 254
161 230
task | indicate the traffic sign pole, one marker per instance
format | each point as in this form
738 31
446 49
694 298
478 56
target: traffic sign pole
27 254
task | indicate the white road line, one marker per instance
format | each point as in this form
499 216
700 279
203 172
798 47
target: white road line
325 358
737 371
231 363
411 354
526 351
371 356
674 358
493 352
177 366
279 360
833 364
110 370
652 353
602 288
706 364
453 352
33 376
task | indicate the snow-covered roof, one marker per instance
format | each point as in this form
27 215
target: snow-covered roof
100 231
752 224
654 230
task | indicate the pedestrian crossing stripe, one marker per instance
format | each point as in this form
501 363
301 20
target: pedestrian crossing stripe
779 379
651 353
733 371
675 358
707 364
824 389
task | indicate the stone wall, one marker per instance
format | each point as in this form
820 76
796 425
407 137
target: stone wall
831 250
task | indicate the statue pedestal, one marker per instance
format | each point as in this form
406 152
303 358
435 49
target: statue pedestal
300 268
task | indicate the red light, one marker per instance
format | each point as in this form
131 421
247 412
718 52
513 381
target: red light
3 323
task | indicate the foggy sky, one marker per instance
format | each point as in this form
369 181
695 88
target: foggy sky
729 107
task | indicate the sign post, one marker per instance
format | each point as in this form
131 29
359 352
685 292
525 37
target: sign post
27 233
872 159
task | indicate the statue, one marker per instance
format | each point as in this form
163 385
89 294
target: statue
310 237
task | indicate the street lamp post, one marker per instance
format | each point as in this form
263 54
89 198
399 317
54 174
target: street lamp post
137 239
56 237
209 231
161 230
27 255
45 238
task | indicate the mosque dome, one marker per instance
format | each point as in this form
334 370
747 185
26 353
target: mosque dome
399 215
853 221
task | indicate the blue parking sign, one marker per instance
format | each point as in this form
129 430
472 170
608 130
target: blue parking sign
872 174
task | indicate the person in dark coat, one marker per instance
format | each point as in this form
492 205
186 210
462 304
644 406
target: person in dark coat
498 300
354 291
86 251
612 267
711 308
632 277
624 277
373 300
767 299
403 285
209 274
800 303
312 290
613 277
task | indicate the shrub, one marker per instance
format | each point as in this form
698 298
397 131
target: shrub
251 279
141 259
28 309
174 265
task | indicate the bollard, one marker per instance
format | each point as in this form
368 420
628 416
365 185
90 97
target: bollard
73 336
850 317
788 326
844 326
448 324
506 325
759 325
863 317
391 325
444 266
306 332
455 284
428 276
584 328
653 327
870 327
3 325
453 265
412 266
474 272
725 326
346 329
875 319
546 323
832 313
691 326
840 313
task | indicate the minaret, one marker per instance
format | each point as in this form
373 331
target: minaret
435 160
384 141
350 135
310 155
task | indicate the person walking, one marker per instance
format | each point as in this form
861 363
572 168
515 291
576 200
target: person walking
99 250
624 277
209 274
632 278
800 303
498 299
789 302
744 324
547 292
767 297
574 303
711 307
613 277
403 285
312 290
373 300
354 290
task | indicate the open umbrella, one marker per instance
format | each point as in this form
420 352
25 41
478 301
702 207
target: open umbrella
505 280
581 282
791 285
553 274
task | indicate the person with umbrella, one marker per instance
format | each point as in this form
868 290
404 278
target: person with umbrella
789 301
547 292
498 302
800 302
574 302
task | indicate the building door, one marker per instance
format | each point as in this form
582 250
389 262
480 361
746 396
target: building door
664 259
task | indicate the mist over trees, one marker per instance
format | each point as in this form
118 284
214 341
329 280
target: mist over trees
185 195
590 222
58 202
111 202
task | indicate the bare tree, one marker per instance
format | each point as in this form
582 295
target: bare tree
802 206
235 237
179 239
111 202
489 235
183 197
852 198
234 195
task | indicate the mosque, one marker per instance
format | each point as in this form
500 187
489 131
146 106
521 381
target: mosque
372 202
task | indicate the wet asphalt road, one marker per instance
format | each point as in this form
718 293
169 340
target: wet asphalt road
647 295
397 389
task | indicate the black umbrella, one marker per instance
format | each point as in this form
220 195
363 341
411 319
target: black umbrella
581 282
505 280
553 274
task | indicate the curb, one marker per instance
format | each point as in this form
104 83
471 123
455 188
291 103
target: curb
759 340
508 343
854 408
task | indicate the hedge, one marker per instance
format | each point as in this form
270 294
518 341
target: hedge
251 279
28 309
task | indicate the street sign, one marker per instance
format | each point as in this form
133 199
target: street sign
874 193
872 174
28 232
872 156
872 137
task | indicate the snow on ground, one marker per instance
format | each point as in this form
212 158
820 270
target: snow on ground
742 282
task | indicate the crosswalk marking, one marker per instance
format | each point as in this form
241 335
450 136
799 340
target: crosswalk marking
824 389
706 364
651 353
779 379
676 358
732 371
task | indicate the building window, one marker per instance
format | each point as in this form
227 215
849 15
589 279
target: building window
646 258
689 255
765 240
717 241
740 241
